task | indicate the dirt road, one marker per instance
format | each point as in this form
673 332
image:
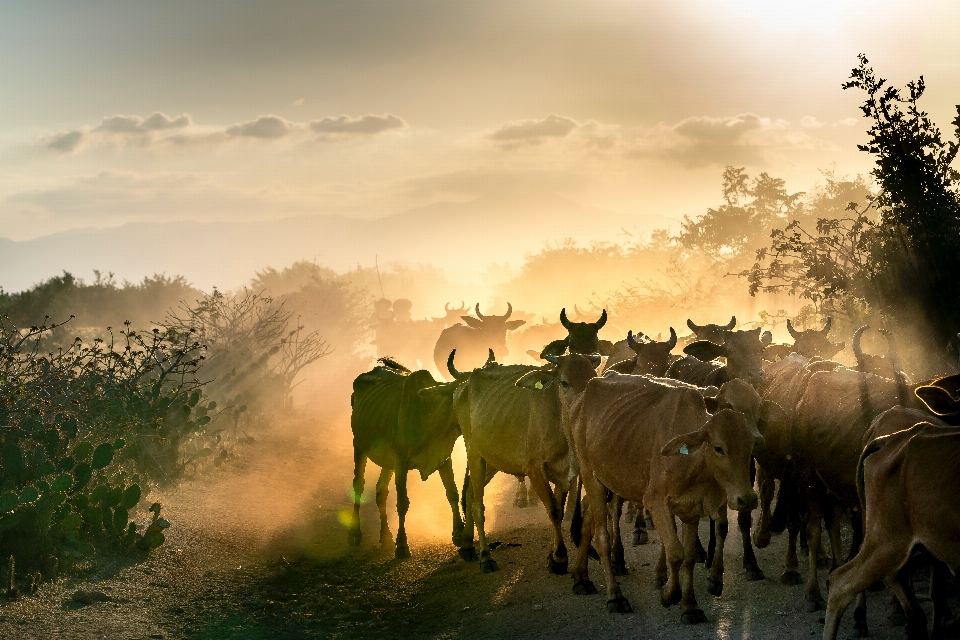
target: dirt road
259 550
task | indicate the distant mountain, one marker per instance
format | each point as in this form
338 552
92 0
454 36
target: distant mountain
461 238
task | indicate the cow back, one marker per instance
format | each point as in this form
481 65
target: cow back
694 371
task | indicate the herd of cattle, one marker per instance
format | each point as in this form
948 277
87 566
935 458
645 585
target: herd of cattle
685 438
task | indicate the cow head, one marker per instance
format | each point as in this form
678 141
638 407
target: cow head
569 374
742 349
814 342
451 315
494 328
711 332
653 357
726 444
740 396
581 336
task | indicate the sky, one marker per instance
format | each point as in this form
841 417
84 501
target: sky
114 112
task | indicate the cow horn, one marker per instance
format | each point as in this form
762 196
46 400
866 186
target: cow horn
452 369
857 350
693 326
446 307
730 325
563 319
490 357
602 321
550 357
509 311
631 342
826 326
477 311
463 306
673 339
793 332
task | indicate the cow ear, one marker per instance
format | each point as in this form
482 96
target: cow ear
605 347
712 404
472 322
704 350
555 348
938 400
538 379
685 444
533 354
514 324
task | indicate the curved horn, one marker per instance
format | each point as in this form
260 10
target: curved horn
463 307
490 357
730 325
793 332
446 307
602 321
509 311
477 311
452 369
693 326
563 319
631 342
673 339
550 357
857 351
826 326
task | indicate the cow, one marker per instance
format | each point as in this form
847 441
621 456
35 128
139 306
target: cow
642 356
881 365
402 421
534 338
451 316
641 439
473 340
508 429
581 338
909 485
742 349
811 343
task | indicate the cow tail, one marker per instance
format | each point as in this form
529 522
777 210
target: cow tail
466 488
787 497
868 450
576 524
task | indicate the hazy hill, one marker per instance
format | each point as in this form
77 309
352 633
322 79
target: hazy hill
462 238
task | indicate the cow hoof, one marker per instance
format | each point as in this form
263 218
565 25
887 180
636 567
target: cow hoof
792 578
584 588
457 536
619 568
897 619
761 540
640 537
814 605
557 567
468 553
714 588
659 581
489 565
694 616
753 575
353 537
670 599
402 553
619 605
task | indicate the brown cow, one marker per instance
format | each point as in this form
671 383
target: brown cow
909 484
712 332
581 338
473 341
643 356
810 343
656 444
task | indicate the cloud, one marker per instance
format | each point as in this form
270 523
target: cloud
158 121
811 122
534 131
368 125
65 142
298 102
267 127
846 122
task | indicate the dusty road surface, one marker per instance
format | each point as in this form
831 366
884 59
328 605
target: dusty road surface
258 550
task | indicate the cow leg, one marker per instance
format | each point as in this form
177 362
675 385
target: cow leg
403 505
478 469
520 499
701 552
673 553
617 560
557 558
814 536
766 488
450 486
359 466
750 565
715 580
870 565
791 564
690 612
582 585
467 550
640 535
597 505
560 495
916 619
711 543
831 522
938 595
383 490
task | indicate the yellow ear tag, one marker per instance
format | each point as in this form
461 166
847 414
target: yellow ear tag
538 385
684 451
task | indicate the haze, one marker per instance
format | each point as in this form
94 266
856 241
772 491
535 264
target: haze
247 113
